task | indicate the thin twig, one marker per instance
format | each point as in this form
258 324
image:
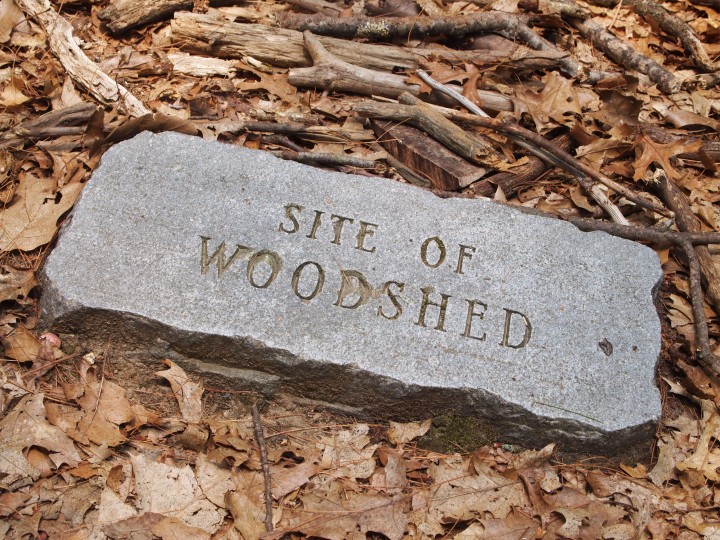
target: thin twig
260 438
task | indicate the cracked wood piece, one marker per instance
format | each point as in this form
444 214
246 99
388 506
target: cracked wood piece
330 73
80 68
279 47
425 156
122 15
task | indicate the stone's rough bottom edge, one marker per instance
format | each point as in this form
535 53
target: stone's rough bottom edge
247 363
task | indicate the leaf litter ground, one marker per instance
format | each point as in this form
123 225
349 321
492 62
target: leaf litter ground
95 449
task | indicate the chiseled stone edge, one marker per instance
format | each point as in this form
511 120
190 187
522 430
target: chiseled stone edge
244 363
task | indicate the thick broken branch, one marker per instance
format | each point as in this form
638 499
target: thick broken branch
437 126
80 68
330 73
217 36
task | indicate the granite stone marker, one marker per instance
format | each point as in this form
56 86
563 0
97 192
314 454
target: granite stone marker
361 292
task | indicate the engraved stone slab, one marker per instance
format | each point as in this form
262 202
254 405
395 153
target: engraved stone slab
363 292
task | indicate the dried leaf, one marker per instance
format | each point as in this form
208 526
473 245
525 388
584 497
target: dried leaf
12 94
649 152
31 221
188 393
246 513
27 426
403 433
172 528
10 17
171 490
22 345
106 408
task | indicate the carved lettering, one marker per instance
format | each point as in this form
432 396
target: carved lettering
339 221
506 332
316 224
463 255
353 283
270 258
218 256
393 296
427 291
441 251
289 208
319 280
471 313
366 229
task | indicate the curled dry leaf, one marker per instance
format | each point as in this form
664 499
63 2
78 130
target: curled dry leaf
403 433
188 393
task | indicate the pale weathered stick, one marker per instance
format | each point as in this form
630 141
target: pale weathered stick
80 68
457 96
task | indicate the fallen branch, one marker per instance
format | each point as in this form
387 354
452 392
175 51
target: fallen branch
510 26
330 73
216 36
589 187
335 160
433 123
527 139
626 56
260 439
80 68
